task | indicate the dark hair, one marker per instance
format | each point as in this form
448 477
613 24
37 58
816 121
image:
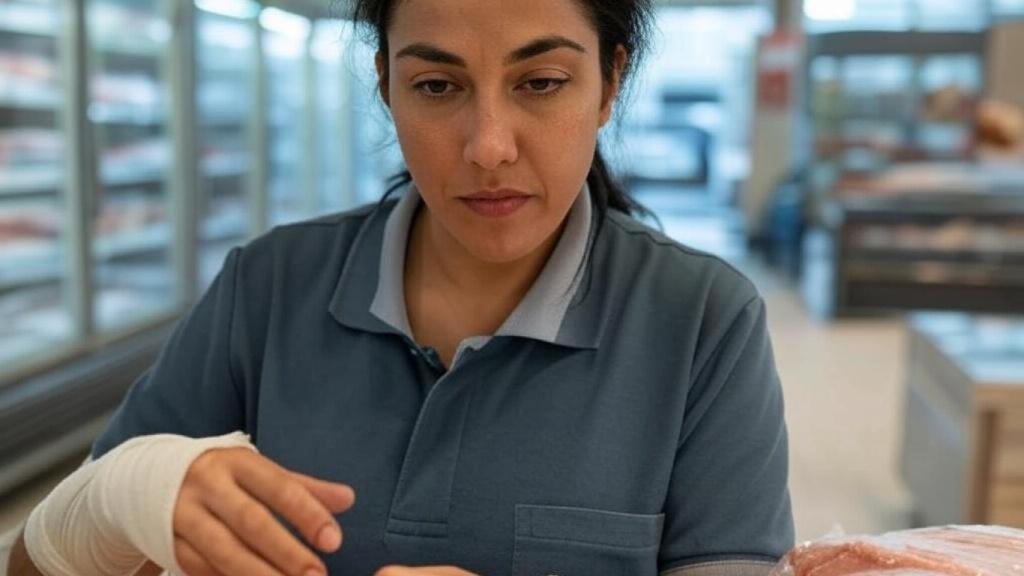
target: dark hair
625 23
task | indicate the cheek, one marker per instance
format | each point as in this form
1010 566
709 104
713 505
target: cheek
429 146
561 146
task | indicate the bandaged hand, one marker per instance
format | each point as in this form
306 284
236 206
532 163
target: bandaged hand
192 506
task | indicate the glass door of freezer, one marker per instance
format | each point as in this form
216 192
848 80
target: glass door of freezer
285 39
226 58
34 310
335 184
130 110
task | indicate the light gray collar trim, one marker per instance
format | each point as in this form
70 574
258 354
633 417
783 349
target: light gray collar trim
389 302
538 316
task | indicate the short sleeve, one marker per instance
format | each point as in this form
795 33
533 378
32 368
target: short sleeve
191 389
728 507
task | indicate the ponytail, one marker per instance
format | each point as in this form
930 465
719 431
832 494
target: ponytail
607 193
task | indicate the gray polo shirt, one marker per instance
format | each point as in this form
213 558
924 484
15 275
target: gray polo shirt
625 419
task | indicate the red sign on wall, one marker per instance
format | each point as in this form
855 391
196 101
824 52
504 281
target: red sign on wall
778 63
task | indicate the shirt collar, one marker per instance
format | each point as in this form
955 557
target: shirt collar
380 306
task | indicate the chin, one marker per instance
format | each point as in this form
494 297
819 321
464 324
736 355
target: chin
496 248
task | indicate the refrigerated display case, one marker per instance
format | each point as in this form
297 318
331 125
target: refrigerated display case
334 157
34 312
285 45
130 110
226 59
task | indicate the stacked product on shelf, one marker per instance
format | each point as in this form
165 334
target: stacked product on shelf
910 215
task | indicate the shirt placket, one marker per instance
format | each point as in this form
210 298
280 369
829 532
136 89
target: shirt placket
422 501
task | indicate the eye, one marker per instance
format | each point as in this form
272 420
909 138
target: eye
434 88
544 86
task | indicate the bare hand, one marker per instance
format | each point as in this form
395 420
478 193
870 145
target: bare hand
422 571
224 522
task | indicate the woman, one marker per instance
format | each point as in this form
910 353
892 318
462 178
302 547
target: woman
513 375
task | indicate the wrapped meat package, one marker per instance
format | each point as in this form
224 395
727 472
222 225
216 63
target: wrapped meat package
940 551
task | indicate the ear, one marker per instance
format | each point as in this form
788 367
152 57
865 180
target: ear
611 88
382 79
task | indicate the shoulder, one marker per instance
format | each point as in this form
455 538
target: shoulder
313 245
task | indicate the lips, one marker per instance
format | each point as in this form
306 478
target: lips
496 203
498 194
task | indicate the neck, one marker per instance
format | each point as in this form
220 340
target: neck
482 293
474 279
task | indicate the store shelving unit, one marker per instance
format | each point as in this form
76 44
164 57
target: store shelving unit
130 111
133 155
891 114
226 84
939 250
33 312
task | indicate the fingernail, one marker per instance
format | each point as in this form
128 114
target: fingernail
329 538
312 572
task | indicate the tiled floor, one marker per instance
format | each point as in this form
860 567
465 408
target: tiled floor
843 387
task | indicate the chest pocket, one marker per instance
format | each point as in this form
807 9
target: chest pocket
558 541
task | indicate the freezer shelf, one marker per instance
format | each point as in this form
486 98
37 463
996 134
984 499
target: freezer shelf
35 20
153 238
25 181
29 263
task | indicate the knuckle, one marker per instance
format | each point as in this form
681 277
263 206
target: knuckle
220 551
184 556
251 520
291 496
185 520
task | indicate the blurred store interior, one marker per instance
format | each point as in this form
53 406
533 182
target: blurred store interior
861 160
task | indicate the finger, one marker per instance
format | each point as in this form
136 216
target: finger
224 552
397 570
190 560
283 494
257 528
335 496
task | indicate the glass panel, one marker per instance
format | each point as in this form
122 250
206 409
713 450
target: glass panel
130 108
225 58
334 150
953 14
1008 7
284 44
683 146
879 87
375 143
829 15
33 311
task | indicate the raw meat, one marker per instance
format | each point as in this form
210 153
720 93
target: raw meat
939 551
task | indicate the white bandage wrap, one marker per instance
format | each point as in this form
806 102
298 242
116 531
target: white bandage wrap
112 514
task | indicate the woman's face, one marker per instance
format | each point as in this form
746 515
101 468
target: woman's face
497 106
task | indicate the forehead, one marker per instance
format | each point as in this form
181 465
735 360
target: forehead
475 25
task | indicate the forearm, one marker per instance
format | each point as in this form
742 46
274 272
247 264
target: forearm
20 564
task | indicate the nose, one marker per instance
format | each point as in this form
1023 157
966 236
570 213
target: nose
491 141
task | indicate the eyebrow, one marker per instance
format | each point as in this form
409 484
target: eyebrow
535 48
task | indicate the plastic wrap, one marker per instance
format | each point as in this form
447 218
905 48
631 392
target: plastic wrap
940 551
